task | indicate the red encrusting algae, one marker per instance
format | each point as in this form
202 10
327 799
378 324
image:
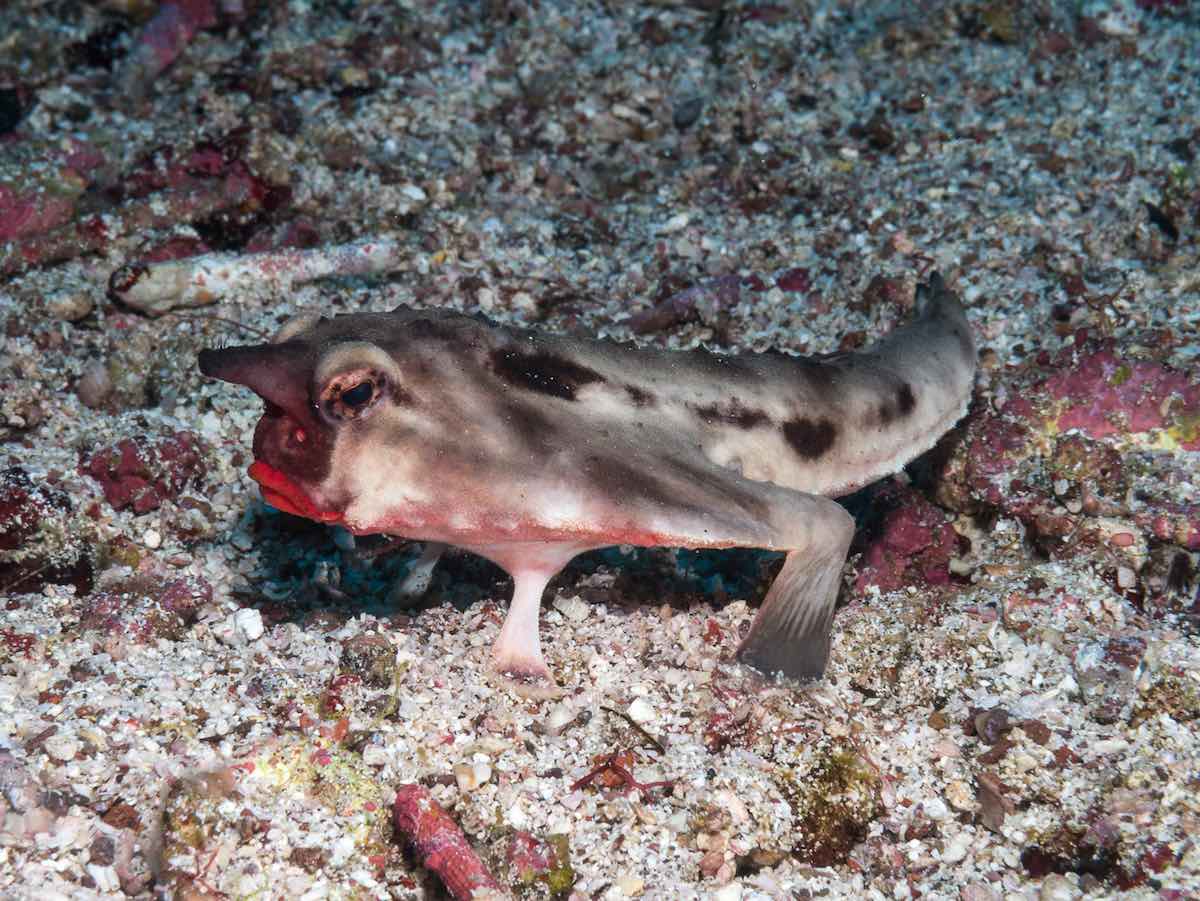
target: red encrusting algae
440 845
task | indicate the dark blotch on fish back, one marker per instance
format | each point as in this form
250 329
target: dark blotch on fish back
810 438
639 397
732 413
899 407
543 372
823 373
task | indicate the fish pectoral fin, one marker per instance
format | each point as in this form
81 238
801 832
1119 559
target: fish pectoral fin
718 508
790 634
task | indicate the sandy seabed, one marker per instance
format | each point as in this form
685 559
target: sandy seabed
202 696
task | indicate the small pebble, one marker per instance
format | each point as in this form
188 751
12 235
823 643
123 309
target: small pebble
516 817
93 734
243 541
960 796
62 746
935 809
1056 887
558 718
375 755
38 820
631 886
95 386
470 776
248 623
956 849
572 800
991 725
686 112
413 192
105 878
152 539
676 223
640 711
69 306
574 608
978 891
353 77
902 244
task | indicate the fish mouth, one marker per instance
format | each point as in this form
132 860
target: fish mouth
282 493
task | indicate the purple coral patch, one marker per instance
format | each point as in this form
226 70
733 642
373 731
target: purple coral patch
143 609
913 545
27 560
794 280
28 213
1103 395
140 474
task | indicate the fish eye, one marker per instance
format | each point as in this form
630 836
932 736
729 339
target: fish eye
359 395
353 395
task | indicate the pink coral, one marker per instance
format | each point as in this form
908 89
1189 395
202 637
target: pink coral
29 510
143 609
24 213
1104 395
794 280
1052 455
529 857
140 474
169 32
914 544
440 844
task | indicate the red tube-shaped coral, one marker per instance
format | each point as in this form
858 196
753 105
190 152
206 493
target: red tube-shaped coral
441 846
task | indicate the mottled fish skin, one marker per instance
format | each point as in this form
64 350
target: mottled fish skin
530 447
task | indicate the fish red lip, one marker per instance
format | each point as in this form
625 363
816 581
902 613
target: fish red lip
282 493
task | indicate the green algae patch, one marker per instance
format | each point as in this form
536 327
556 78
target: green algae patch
1000 20
305 786
194 821
536 867
834 800
327 773
1172 694
561 876
1185 429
